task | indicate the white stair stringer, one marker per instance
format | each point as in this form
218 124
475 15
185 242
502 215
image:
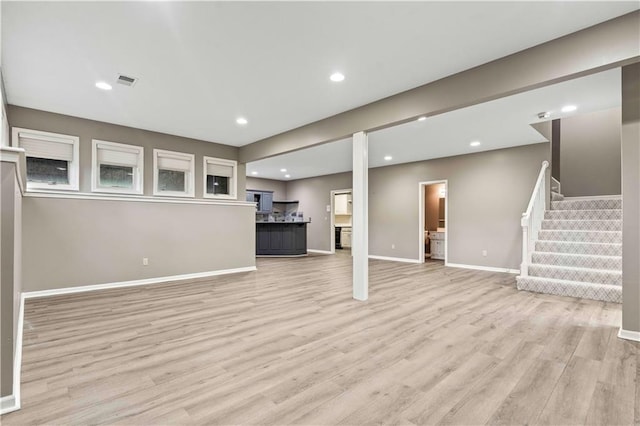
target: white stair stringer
578 252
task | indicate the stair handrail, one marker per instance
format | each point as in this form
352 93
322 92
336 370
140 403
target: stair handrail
532 219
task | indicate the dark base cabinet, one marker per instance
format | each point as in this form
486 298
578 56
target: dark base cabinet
281 238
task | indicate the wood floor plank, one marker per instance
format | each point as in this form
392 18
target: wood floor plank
570 400
288 344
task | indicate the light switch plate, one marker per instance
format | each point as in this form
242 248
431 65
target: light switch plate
328 208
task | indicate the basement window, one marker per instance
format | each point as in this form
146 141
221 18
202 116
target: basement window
117 168
52 159
220 177
173 173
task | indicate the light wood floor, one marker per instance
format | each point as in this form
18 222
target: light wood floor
288 345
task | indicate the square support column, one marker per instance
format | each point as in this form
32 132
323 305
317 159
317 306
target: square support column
630 136
360 217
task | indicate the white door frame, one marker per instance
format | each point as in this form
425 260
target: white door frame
421 213
333 216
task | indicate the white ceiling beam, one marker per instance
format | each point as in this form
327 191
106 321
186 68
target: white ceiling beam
611 44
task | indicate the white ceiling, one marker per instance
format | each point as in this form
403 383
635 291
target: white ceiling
497 124
203 64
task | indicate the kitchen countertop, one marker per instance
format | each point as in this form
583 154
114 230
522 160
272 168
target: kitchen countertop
283 222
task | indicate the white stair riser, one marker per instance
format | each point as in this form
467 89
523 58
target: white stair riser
583 225
574 289
584 275
598 204
556 197
610 214
579 248
614 237
578 261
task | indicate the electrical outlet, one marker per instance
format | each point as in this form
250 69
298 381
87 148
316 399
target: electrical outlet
484 253
145 261
393 246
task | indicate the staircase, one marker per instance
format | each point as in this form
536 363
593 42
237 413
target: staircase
578 251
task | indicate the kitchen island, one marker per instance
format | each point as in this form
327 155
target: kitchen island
281 238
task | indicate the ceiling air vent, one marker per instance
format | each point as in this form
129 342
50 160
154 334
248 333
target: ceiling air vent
126 80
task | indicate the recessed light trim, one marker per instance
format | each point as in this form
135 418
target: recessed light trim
287 176
283 170
336 77
103 85
388 158
254 173
422 118
475 143
241 121
569 108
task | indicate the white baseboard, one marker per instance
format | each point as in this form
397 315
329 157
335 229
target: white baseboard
146 281
319 251
629 335
593 197
394 259
11 402
484 268
8 404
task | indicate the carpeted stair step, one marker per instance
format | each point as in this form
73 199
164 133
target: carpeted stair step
600 276
587 204
580 236
596 249
582 225
577 260
606 214
604 292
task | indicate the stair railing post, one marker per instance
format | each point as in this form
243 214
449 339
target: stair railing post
532 219
524 266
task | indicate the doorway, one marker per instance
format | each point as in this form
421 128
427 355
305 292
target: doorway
341 220
433 220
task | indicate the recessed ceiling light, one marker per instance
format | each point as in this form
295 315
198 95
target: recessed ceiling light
569 108
544 114
103 85
254 173
337 76
388 157
422 118
287 176
241 121
283 170
475 143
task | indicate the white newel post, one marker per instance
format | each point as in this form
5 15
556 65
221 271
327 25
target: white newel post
532 219
524 266
360 219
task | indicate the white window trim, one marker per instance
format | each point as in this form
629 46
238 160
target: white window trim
138 174
234 184
74 166
190 191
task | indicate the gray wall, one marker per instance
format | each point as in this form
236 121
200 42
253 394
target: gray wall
487 194
631 198
278 187
10 228
314 195
590 154
87 130
75 242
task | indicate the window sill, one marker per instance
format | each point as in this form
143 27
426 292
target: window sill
132 198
